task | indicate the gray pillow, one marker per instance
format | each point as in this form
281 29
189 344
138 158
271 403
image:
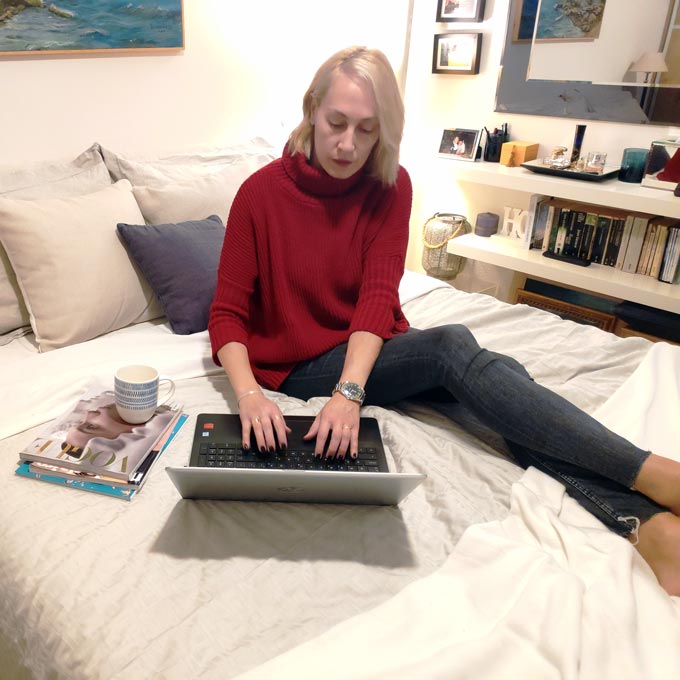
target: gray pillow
180 262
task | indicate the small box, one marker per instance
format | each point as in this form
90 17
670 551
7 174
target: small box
515 153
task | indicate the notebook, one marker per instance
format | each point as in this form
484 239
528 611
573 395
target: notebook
219 469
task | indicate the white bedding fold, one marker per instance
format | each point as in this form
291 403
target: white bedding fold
541 594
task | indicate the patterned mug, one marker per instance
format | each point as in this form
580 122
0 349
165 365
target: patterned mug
136 388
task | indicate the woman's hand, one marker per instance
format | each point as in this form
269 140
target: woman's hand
340 418
264 418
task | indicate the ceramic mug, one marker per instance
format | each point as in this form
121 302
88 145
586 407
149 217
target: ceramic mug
136 388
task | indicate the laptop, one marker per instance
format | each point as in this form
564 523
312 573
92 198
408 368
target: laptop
219 468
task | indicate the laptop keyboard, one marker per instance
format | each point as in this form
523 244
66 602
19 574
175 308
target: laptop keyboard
221 455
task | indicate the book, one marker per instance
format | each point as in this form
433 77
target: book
600 238
659 249
637 236
77 480
671 256
91 437
539 210
625 237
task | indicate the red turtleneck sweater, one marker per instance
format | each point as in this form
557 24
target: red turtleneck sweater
307 260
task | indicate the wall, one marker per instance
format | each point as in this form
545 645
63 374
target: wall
436 101
243 72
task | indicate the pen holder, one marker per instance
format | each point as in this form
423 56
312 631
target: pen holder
492 149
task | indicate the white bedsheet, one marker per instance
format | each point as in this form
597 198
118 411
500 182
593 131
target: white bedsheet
96 588
547 592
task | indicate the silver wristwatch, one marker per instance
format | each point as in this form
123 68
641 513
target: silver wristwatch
351 391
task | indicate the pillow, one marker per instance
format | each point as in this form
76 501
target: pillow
83 174
180 262
192 199
188 166
73 270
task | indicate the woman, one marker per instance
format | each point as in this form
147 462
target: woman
307 304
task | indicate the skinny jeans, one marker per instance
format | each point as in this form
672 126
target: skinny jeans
541 428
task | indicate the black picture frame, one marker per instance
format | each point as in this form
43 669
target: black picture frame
450 148
467 48
460 10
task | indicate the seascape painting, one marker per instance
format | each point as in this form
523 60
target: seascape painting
569 20
42 26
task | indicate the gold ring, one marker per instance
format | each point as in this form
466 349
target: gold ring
346 427
257 420
277 418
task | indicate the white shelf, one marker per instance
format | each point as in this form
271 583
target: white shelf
596 277
608 192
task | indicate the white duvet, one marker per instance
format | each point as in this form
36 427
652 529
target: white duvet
94 587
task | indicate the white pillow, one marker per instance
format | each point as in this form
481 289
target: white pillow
73 270
83 174
188 166
197 198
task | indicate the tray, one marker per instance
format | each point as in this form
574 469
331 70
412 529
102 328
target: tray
538 167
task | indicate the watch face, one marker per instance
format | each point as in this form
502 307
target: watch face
352 391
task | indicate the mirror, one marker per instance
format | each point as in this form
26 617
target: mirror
602 41
623 103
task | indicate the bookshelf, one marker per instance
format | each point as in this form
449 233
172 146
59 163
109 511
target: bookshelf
596 278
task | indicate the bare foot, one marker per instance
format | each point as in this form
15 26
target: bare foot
659 545
659 479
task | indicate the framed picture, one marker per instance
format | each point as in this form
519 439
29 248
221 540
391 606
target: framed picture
460 143
457 53
460 10
80 27
567 22
524 20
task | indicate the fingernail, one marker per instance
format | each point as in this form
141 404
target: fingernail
284 446
245 447
262 449
271 449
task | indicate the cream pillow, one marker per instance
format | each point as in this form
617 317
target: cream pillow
197 198
188 166
83 174
74 272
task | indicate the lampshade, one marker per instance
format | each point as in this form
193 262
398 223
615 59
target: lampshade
650 62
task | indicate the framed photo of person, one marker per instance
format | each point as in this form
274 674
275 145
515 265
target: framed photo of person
457 53
460 144
460 10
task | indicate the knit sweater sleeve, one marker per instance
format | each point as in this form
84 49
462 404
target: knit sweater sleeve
378 309
236 276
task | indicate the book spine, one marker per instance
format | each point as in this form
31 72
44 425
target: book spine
635 244
627 228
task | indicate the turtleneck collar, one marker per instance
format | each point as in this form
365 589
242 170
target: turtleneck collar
315 181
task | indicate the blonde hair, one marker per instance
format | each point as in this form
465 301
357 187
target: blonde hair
373 67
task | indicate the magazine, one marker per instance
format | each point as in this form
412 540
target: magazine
137 479
96 483
91 437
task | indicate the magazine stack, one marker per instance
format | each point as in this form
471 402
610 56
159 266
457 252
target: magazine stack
91 448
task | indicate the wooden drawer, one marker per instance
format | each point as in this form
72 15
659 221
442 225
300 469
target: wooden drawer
567 310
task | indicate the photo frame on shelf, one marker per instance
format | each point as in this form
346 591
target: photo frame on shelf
457 53
461 144
460 10
663 165
46 28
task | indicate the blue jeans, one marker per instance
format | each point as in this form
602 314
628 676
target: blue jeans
597 466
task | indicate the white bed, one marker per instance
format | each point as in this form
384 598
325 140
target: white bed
482 572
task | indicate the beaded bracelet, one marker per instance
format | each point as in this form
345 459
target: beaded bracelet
245 394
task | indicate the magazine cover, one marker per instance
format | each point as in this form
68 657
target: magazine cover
95 483
134 482
92 437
